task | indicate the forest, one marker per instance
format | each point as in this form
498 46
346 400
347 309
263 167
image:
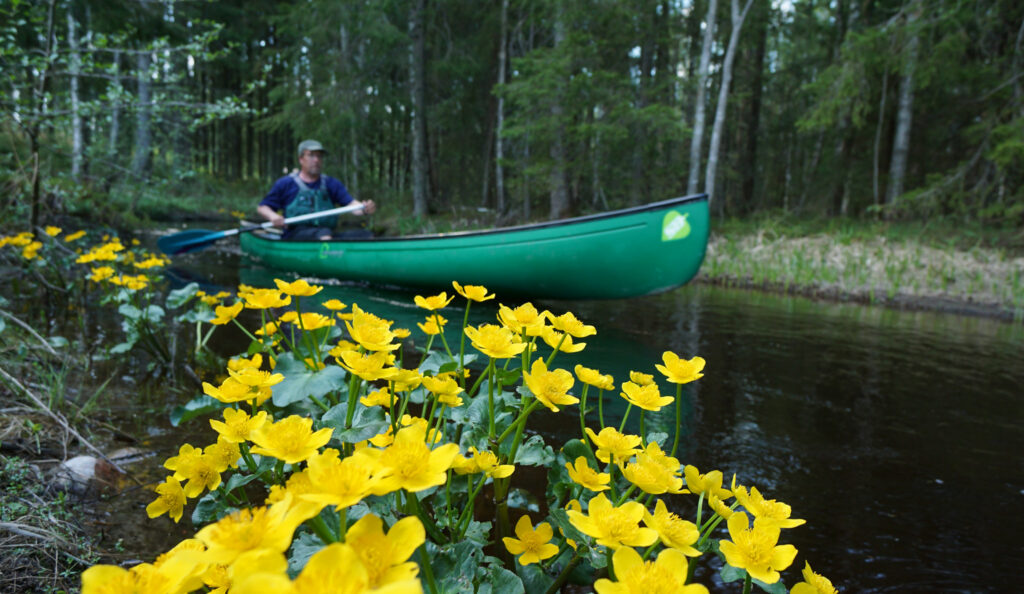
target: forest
903 109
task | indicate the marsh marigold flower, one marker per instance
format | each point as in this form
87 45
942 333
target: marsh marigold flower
145 577
482 462
533 545
614 527
614 446
680 371
665 575
299 288
433 302
561 341
334 305
251 530
494 341
594 378
550 387
170 500
371 332
291 439
368 366
52 231
226 313
709 484
76 235
769 511
813 583
381 397
582 474
385 555
434 325
756 549
265 299
652 476
674 532
568 323
641 379
647 397
199 470
415 466
524 318
343 482
472 292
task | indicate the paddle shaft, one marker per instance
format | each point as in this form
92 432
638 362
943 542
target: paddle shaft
298 219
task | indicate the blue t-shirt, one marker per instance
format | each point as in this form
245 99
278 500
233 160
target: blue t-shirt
285 190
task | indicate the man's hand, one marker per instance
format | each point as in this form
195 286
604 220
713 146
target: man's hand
278 221
271 215
368 207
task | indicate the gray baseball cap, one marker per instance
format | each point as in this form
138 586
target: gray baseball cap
310 145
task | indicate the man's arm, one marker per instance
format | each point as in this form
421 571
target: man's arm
271 215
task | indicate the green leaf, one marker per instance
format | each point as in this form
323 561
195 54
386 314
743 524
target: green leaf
239 480
57 341
123 347
574 448
533 452
432 363
499 580
778 587
658 437
367 421
728 573
200 405
533 578
179 297
303 547
210 508
301 383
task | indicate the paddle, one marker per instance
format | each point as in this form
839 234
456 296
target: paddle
197 239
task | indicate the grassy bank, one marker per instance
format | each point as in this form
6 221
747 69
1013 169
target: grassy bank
923 266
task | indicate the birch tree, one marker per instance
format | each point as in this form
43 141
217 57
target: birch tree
697 140
904 112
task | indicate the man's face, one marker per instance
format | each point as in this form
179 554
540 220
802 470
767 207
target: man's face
311 162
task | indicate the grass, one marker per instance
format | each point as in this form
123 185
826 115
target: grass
923 265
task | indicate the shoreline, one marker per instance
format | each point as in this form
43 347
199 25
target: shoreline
904 275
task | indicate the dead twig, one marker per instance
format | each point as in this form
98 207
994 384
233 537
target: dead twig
30 330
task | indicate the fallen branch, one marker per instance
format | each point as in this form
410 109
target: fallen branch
30 330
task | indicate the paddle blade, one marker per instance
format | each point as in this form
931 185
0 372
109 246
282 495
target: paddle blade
188 241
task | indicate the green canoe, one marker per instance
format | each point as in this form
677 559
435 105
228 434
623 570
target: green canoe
624 253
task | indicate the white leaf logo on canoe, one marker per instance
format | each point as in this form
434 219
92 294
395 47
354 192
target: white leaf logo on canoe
674 226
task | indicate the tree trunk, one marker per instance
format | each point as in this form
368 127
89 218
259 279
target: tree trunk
559 191
143 136
417 86
723 96
697 140
115 107
75 71
754 115
904 116
499 149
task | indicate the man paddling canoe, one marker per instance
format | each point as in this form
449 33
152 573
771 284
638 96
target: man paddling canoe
307 191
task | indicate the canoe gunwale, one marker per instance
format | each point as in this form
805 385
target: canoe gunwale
514 229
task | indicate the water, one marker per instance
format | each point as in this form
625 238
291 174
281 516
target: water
896 435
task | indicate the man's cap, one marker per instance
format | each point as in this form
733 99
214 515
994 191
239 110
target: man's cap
310 145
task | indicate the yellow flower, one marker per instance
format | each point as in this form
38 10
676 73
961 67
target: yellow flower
291 439
485 462
231 391
534 544
201 471
265 299
226 313
646 397
334 305
52 231
314 321
568 323
709 484
170 500
445 388
562 342
368 366
524 318
379 397
74 236
813 583
719 506
151 262
434 302
224 454
414 466
299 288
614 446
494 341
582 474
652 476
343 483
754 548
386 555
252 530
29 251
472 292
433 325
145 577
674 532
665 575
681 371
101 273
614 527
594 378
268 329
240 363
550 387
769 511
406 379
641 379
371 332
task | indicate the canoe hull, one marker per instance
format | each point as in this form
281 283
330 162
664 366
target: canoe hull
626 253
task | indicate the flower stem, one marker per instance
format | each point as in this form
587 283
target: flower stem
564 574
675 441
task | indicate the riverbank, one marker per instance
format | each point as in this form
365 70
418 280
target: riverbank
895 271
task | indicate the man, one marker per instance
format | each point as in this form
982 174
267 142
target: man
306 191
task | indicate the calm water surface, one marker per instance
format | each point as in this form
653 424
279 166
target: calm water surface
896 435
